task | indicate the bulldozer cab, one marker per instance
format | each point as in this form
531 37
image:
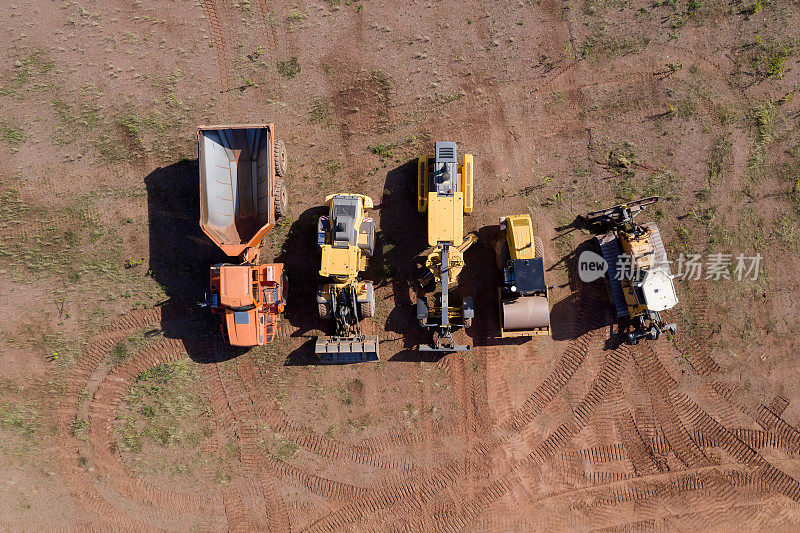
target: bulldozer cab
657 290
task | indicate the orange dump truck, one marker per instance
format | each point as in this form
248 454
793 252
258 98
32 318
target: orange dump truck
242 194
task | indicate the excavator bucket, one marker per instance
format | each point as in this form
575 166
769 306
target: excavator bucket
345 350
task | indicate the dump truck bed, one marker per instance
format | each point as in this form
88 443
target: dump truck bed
236 181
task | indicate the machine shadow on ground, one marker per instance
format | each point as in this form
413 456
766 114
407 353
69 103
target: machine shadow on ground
180 254
402 238
587 306
300 256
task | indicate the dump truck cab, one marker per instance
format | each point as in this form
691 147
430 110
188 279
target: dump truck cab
250 300
242 195
346 237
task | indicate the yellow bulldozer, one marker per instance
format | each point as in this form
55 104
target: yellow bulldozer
640 283
444 191
524 295
346 237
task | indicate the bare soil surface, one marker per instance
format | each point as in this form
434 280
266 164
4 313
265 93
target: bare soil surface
122 409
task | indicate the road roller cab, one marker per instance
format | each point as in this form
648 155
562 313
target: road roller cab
524 294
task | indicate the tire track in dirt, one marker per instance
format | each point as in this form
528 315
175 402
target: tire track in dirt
366 454
210 10
95 390
565 368
452 521
264 509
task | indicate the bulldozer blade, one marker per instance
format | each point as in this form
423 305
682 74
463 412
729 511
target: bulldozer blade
345 350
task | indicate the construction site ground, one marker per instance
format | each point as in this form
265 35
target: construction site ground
121 408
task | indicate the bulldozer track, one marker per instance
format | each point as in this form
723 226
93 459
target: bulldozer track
601 387
660 383
636 449
572 359
743 453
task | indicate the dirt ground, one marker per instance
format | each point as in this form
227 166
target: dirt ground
121 409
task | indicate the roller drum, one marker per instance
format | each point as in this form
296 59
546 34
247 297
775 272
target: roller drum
526 313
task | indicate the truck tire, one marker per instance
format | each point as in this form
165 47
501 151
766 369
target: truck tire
281 198
280 158
538 247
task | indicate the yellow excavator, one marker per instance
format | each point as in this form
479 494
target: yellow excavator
347 237
524 295
444 191
640 283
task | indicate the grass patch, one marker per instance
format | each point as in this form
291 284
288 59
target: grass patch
285 448
38 241
720 158
383 150
598 46
80 428
288 68
320 112
161 407
31 73
124 349
762 119
12 134
786 228
776 60
21 418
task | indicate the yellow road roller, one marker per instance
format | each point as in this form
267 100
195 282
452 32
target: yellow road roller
524 296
